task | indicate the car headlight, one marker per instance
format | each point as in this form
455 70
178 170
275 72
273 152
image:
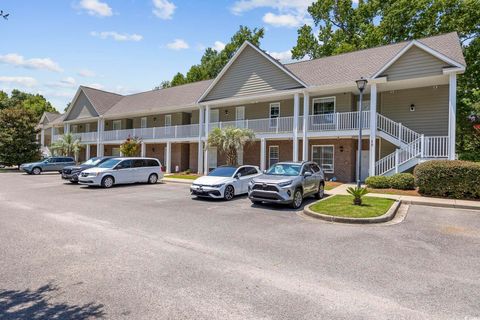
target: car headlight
252 182
217 185
284 184
93 174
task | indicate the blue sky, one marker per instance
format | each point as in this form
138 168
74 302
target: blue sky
127 46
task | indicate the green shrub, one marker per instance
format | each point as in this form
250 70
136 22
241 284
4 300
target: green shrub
378 182
449 178
402 181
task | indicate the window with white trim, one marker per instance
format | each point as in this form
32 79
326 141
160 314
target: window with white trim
87 127
273 155
323 110
323 155
143 122
274 113
117 125
74 128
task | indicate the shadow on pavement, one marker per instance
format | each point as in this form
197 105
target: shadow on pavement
36 304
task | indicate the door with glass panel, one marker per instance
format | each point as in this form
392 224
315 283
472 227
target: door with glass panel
240 117
273 155
324 157
274 114
212 158
168 126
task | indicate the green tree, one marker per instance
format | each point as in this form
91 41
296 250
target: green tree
343 27
130 147
18 136
67 145
229 140
19 99
213 61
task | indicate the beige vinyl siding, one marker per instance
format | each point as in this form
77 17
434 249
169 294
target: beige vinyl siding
81 127
82 109
431 108
251 73
414 63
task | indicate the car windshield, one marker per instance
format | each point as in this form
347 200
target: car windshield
109 163
222 172
92 162
284 169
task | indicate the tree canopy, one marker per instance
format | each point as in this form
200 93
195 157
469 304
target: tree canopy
342 26
33 102
213 61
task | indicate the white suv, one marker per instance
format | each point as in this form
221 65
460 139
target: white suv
122 171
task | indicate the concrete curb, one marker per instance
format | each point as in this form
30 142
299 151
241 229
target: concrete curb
389 215
441 205
184 181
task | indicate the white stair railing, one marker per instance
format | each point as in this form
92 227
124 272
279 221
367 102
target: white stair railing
396 129
400 156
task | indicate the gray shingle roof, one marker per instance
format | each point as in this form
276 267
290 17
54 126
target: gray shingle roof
348 67
155 100
101 100
50 116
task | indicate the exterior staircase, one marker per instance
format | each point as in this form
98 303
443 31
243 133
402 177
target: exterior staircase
412 147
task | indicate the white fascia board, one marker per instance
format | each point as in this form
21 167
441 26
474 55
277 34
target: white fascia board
243 99
453 70
173 109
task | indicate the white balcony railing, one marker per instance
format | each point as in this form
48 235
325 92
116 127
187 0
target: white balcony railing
339 121
170 132
435 147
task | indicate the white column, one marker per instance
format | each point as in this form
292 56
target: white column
143 149
87 152
373 129
169 157
452 113
306 112
201 121
207 124
100 128
263 153
42 137
296 111
66 128
52 133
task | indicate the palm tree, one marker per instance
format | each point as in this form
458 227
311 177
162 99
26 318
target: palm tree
229 140
67 145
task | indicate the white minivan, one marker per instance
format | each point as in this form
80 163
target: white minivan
122 171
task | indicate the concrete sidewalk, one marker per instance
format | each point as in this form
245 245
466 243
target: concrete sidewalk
428 201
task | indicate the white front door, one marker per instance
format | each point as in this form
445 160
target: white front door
365 164
212 158
240 117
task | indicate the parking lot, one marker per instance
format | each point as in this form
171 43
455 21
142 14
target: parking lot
151 252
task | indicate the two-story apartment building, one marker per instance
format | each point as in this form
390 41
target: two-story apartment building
298 111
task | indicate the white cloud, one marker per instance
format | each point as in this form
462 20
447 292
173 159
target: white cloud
290 13
163 9
218 45
282 56
116 36
178 44
96 8
68 82
34 63
22 81
86 73
282 20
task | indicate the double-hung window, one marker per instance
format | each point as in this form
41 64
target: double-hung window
117 125
323 155
274 114
273 155
323 110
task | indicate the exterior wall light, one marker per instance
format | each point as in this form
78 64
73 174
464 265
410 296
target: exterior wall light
412 107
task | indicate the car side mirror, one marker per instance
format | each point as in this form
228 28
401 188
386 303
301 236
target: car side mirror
307 174
264 171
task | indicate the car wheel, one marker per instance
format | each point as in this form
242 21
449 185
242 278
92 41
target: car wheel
153 178
107 182
256 202
321 191
228 193
36 170
297 199
73 181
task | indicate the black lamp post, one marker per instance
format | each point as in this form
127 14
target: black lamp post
361 84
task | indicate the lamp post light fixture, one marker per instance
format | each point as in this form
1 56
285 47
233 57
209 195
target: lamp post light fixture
361 84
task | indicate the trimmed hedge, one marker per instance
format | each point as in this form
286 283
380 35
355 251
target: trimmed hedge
378 182
449 178
400 181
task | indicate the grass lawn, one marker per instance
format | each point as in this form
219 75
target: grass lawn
329 185
183 176
342 206
395 191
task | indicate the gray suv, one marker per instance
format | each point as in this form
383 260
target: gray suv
48 164
288 183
